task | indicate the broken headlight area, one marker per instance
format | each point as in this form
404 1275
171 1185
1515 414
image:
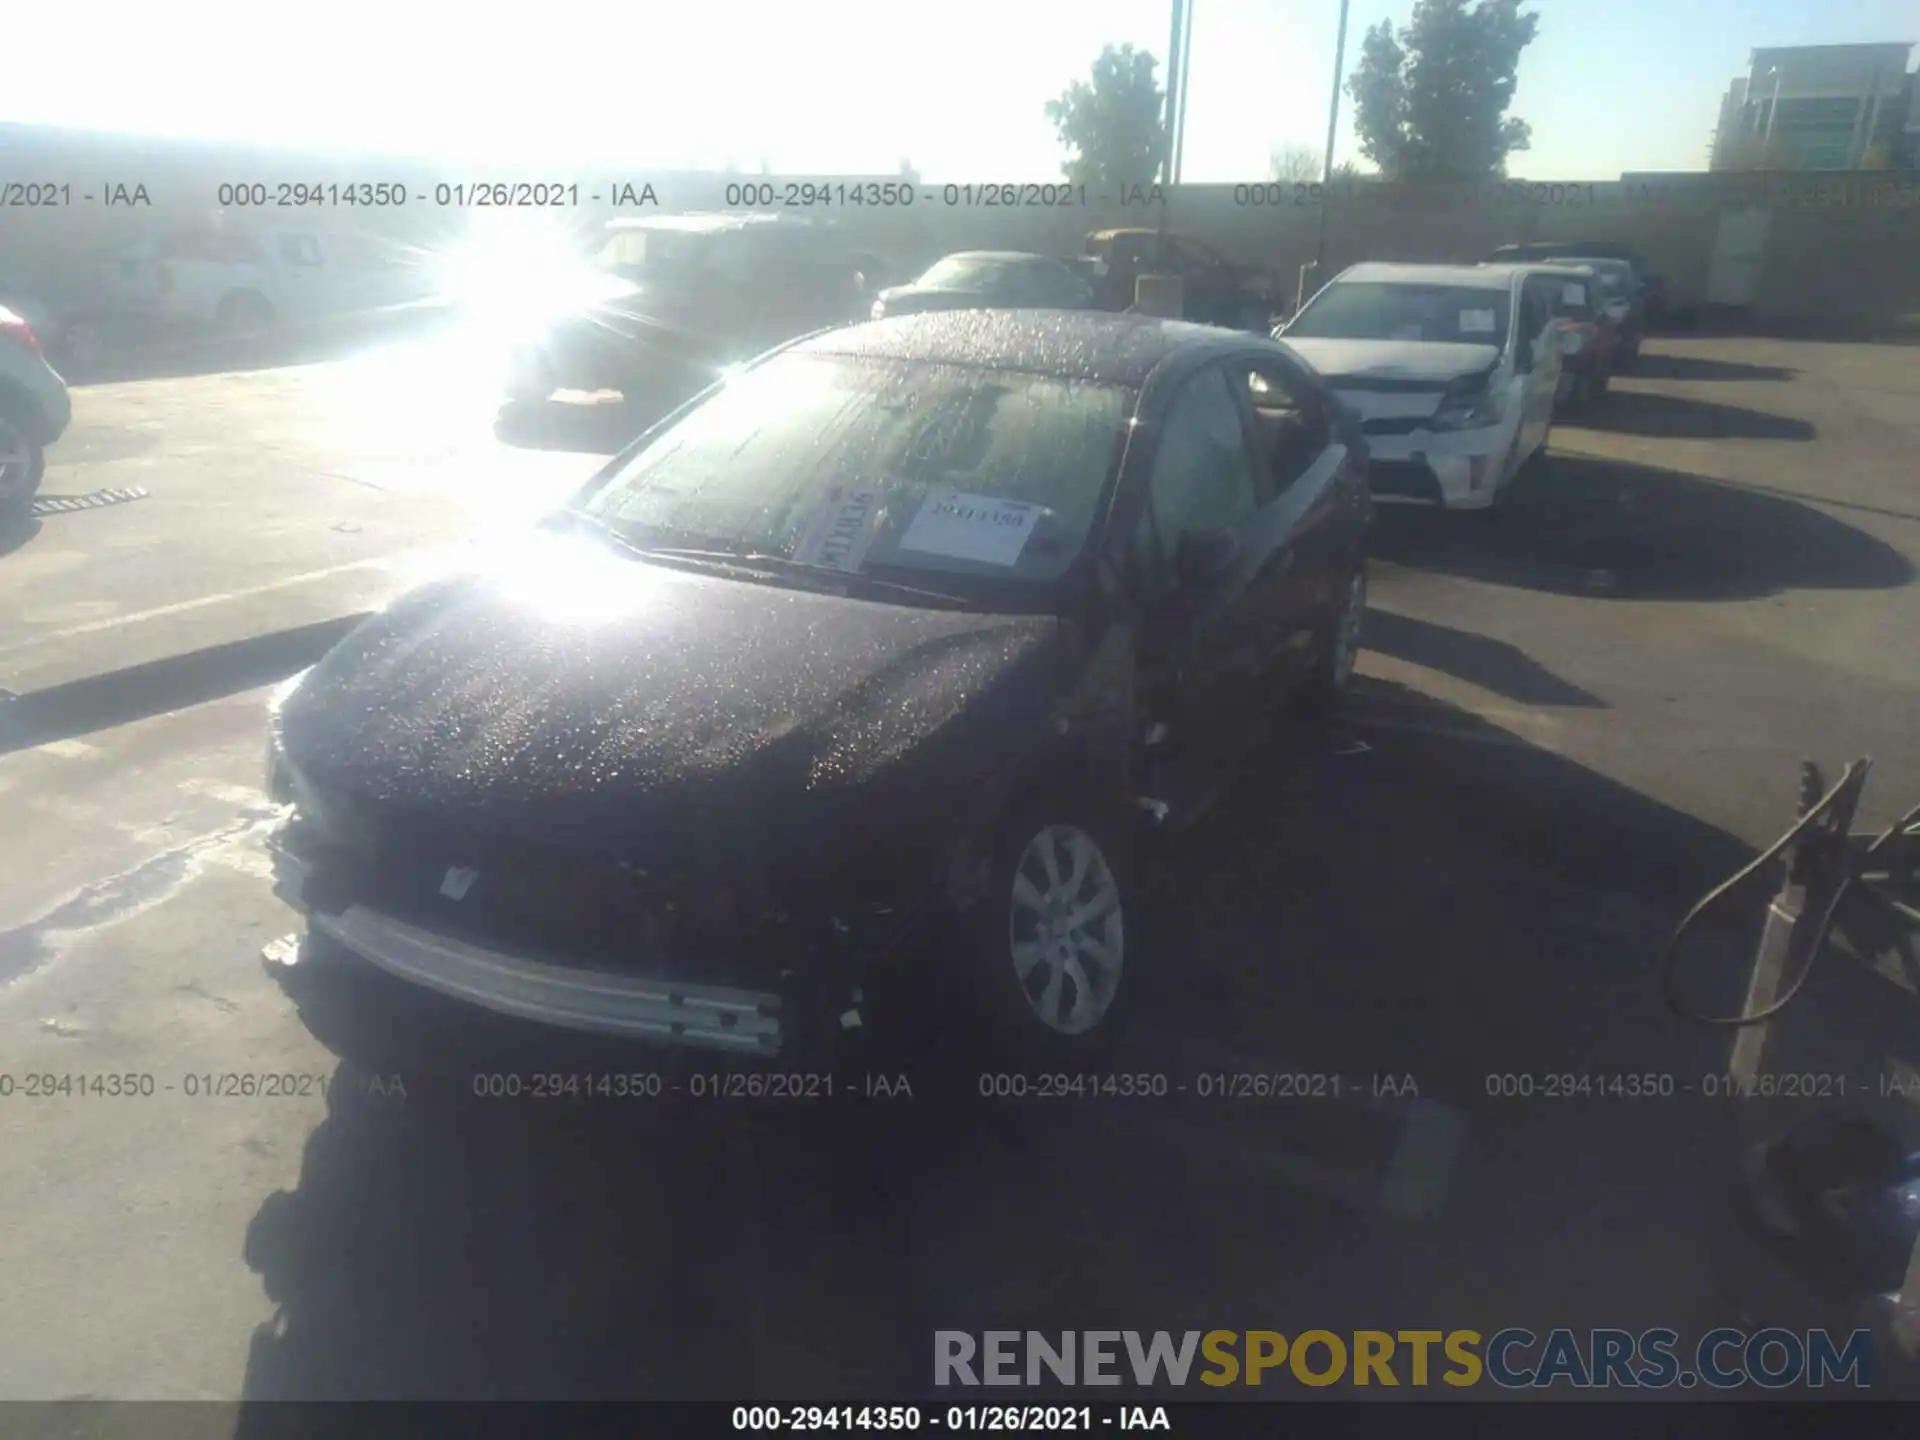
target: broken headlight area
575 910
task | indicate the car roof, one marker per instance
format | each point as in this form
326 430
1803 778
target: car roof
1595 262
704 224
997 255
1120 230
1467 277
1558 248
1072 344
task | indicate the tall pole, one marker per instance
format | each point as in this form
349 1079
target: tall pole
1186 65
1333 128
1773 108
1174 43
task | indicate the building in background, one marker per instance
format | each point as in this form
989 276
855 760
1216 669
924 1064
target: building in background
1820 107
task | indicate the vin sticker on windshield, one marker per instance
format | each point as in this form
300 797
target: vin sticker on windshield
841 529
1476 322
971 527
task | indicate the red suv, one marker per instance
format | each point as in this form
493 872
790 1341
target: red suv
1590 335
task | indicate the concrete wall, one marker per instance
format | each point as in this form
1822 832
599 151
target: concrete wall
1843 247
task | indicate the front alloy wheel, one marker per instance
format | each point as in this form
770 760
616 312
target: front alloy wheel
1346 634
1066 929
21 463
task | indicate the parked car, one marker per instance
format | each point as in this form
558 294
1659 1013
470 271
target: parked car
731 742
243 281
674 299
988 280
876 272
1453 370
62 330
1216 291
34 411
1650 289
1588 336
1619 299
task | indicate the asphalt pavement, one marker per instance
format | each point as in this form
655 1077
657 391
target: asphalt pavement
1571 720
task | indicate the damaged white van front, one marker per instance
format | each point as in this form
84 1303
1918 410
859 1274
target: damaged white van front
1452 370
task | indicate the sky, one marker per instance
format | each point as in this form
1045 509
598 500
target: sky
857 86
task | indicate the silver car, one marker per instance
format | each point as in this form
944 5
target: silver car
34 411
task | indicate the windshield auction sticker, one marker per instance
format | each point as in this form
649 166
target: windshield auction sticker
971 527
1476 322
841 529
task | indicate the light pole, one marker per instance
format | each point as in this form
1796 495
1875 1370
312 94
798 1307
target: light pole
1174 44
1333 126
1187 54
1773 109
1326 166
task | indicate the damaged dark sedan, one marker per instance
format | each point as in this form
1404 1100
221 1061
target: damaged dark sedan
877 664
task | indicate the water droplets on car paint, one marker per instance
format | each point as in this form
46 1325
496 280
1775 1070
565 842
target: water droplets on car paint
728 702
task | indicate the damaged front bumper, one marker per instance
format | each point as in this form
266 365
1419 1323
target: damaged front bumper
1456 469
526 987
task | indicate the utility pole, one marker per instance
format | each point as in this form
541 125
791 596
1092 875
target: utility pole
1186 64
1174 46
1326 164
1773 108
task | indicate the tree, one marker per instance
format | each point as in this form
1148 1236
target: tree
1294 162
1431 103
1300 165
1114 128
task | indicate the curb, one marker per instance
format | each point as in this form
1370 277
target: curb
174 682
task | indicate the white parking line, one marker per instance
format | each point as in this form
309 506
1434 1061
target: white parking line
244 796
68 749
285 582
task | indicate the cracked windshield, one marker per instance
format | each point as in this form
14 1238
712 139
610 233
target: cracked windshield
822 720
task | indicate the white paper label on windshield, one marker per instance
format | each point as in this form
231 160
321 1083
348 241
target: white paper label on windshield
971 527
841 529
1476 322
1573 294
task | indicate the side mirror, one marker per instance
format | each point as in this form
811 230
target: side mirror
1203 555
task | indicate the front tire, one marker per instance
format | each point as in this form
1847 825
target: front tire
1063 926
23 461
1333 672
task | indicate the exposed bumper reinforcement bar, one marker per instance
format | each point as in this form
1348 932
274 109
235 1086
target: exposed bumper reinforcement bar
707 1017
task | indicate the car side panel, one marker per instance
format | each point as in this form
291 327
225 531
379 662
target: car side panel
1199 656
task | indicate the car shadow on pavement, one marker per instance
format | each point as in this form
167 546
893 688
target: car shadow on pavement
1444 904
1653 365
16 532
99 702
1674 417
1481 660
1593 526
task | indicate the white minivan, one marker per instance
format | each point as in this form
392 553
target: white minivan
240 280
1452 370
